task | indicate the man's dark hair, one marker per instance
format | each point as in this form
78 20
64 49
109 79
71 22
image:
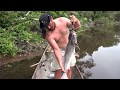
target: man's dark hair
44 21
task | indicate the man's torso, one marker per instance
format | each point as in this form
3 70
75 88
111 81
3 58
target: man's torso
61 32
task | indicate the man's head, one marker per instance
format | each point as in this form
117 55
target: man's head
44 21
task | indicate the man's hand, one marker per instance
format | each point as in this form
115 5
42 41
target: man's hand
62 68
73 19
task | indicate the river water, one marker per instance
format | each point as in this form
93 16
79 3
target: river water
103 49
19 70
107 61
100 47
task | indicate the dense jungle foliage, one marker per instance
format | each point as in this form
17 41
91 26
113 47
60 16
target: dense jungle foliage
19 30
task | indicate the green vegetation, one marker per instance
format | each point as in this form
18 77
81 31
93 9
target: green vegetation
19 30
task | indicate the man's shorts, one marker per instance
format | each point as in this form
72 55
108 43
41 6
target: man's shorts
55 64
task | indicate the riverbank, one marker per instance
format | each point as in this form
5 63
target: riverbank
17 58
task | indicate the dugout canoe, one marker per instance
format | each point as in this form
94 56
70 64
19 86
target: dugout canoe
44 68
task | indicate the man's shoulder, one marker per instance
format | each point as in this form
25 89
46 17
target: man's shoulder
61 18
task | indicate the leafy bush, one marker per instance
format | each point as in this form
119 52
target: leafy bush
18 27
7 46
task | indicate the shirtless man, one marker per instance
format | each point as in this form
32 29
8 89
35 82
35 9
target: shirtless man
56 32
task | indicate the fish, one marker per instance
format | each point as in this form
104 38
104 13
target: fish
69 50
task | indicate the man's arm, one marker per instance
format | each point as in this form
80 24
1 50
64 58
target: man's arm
57 51
76 22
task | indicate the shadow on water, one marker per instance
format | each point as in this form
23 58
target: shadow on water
99 54
19 70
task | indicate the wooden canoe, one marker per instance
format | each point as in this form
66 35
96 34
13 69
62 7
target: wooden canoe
44 66
43 69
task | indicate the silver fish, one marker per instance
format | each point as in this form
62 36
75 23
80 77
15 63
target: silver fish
69 50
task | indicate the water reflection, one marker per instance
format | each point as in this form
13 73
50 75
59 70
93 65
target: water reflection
85 64
99 55
108 63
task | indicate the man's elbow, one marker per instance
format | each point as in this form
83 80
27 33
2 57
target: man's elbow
78 26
